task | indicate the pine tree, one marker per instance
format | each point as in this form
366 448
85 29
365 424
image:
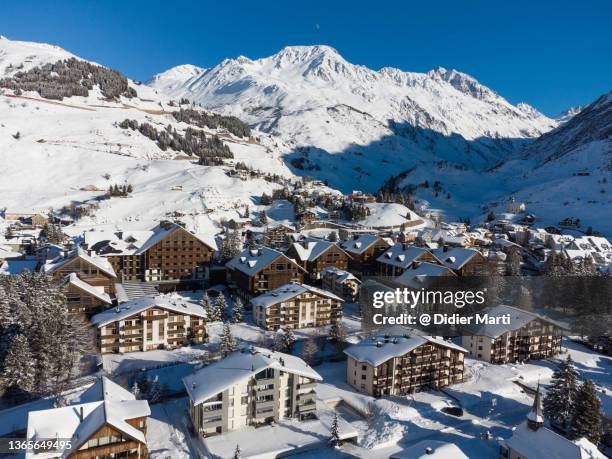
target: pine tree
333 237
587 420
288 340
560 400
156 392
135 390
227 344
310 351
220 312
334 438
337 332
263 217
238 311
237 453
208 307
18 370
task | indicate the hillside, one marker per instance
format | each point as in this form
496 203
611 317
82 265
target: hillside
68 151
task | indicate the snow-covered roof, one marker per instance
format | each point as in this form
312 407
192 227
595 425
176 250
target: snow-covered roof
390 215
341 274
103 403
378 349
287 292
238 366
456 257
135 242
309 249
543 442
98 292
360 244
416 276
431 449
518 319
401 256
252 261
172 302
101 263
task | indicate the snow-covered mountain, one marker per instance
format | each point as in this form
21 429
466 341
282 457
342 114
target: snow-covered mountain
63 152
174 78
568 114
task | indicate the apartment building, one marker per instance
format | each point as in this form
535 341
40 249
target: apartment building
94 270
259 270
314 255
341 282
400 365
148 323
250 387
527 337
83 297
401 256
296 305
364 250
166 253
105 422
277 236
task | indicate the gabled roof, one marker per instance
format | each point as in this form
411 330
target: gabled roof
546 443
252 261
402 256
378 349
341 275
289 291
98 292
171 302
360 244
431 449
417 276
456 257
99 262
309 249
104 403
241 365
518 319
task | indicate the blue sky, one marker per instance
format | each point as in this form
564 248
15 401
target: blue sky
551 54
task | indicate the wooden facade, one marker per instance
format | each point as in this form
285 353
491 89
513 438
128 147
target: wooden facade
333 256
178 256
86 271
364 263
81 300
154 328
388 268
109 442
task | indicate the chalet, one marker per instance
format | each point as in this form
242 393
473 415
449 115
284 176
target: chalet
276 236
340 282
398 258
29 217
107 421
84 297
465 262
148 323
94 270
307 216
296 306
364 250
259 270
400 365
421 274
533 440
167 253
316 254
527 337
251 387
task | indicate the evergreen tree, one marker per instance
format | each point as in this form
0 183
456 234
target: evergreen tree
18 370
587 420
227 344
263 217
155 392
513 263
208 307
560 400
231 246
238 311
333 237
337 331
310 351
220 312
237 453
288 340
135 390
334 438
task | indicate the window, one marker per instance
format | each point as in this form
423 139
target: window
244 400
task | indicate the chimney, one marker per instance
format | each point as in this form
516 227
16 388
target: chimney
81 413
429 451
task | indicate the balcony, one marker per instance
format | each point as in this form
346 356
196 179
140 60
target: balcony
308 385
259 405
309 406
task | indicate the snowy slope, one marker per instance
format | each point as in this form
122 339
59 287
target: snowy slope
175 78
20 55
56 153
